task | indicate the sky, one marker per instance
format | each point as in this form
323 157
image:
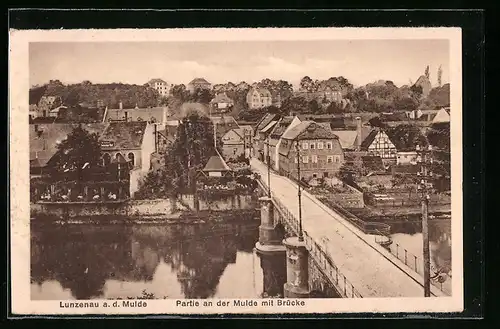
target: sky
360 61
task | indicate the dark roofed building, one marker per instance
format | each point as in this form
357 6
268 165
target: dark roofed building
216 166
199 83
320 152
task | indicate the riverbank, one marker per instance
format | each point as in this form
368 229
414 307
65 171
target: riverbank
153 210
181 217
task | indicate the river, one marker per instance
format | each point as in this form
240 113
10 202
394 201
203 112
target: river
409 236
147 261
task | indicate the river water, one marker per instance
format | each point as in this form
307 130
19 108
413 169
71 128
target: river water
147 261
409 236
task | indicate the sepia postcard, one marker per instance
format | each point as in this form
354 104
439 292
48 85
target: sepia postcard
235 171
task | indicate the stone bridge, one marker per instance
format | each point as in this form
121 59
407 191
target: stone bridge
353 262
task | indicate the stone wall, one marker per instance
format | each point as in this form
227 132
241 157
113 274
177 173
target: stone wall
157 207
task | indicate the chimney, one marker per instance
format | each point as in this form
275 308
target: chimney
121 105
358 133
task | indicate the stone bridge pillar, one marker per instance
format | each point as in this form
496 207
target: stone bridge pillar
268 235
270 250
297 280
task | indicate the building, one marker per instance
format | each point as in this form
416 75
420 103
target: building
259 98
156 115
233 144
134 141
45 104
223 124
54 113
329 93
282 126
379 143
198 83
222 103
442 116
248 132
161 86
45 138
216 167
424 83
320 152
260 135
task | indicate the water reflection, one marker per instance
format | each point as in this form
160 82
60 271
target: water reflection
166 261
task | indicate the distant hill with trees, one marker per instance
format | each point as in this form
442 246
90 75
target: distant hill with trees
110 94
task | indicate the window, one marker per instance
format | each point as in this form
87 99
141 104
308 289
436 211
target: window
295 158
315 175
305 146
325 174
329 159
314 158
305 159
312 146
235 150
106 159
320 145
337 159
131 159
329 145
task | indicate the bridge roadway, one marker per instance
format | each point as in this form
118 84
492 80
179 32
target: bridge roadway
371 271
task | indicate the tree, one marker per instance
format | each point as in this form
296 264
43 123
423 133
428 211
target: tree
439 75
427 74
78 149
190 151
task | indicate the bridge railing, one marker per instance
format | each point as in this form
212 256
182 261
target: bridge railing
325 262
415 263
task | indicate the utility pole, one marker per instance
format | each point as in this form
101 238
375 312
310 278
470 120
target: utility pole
424 173
299 194
268 169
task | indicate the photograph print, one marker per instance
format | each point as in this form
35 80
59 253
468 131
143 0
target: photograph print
276 169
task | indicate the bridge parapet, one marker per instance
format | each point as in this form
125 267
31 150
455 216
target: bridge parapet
318 253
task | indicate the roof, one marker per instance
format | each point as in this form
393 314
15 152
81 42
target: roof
221 98
347 138
280 128
124 135
268 127
308 130
246 127
239 131
216 163
45 146
199 81
157 81
264 121
223 120
140 114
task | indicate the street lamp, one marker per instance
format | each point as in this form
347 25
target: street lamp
424 173
301 237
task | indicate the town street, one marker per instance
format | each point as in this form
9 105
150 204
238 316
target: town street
371 273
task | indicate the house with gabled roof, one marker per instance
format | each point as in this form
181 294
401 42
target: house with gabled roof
259 98
135 142
161 86
262 129
198 83
443 115
282 126
216 166
314 148
221 103
233 144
